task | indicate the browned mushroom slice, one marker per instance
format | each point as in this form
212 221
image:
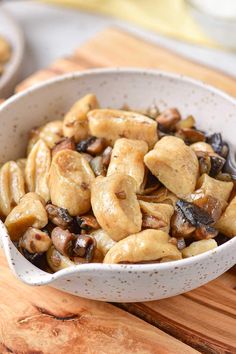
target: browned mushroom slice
87 222
210 204
57 261
167 119
180 227
205 232
97 166
162 195
65 143
96 147
62 240
59 216
35 240
190 136
106 156
84 247
92 145
156 215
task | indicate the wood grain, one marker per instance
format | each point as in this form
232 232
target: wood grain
44 320
114 47
203 318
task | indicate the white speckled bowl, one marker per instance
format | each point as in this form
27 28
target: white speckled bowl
215 112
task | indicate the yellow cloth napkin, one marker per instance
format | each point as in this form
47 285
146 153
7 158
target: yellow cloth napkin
169 17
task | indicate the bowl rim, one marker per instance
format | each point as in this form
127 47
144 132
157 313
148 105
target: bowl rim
47 278
18 46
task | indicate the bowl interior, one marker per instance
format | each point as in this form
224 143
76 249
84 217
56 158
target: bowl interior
213 110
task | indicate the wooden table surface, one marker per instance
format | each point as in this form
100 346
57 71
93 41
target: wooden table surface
42 320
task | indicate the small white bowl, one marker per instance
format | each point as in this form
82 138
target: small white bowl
214 111
10 30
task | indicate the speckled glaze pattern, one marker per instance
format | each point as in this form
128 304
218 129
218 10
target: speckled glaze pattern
214 111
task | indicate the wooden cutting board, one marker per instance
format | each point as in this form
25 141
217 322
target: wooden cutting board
44 320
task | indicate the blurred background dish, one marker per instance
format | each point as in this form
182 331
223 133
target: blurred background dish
11 32
217 18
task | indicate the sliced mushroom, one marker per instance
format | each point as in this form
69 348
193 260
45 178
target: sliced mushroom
118 217
87 222
63 240
175 164
194 214
35 241
37 259
65 143
106 156
96 147
156 215
84 247
97 166
147 245
57 261
217 163
218 145
167 119
205 232
161 195
210 204
114 124
59 216
180 226
92 146
190 135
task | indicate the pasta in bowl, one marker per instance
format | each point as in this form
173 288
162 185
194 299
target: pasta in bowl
116 194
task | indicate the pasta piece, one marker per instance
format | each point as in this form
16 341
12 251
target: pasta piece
22 163
218 189
12 187
127 158
29 212
148 245
115 205
199 247
75 123
174 164
161 213
70 180
227 223
51 133
37 169
113 124
104 241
